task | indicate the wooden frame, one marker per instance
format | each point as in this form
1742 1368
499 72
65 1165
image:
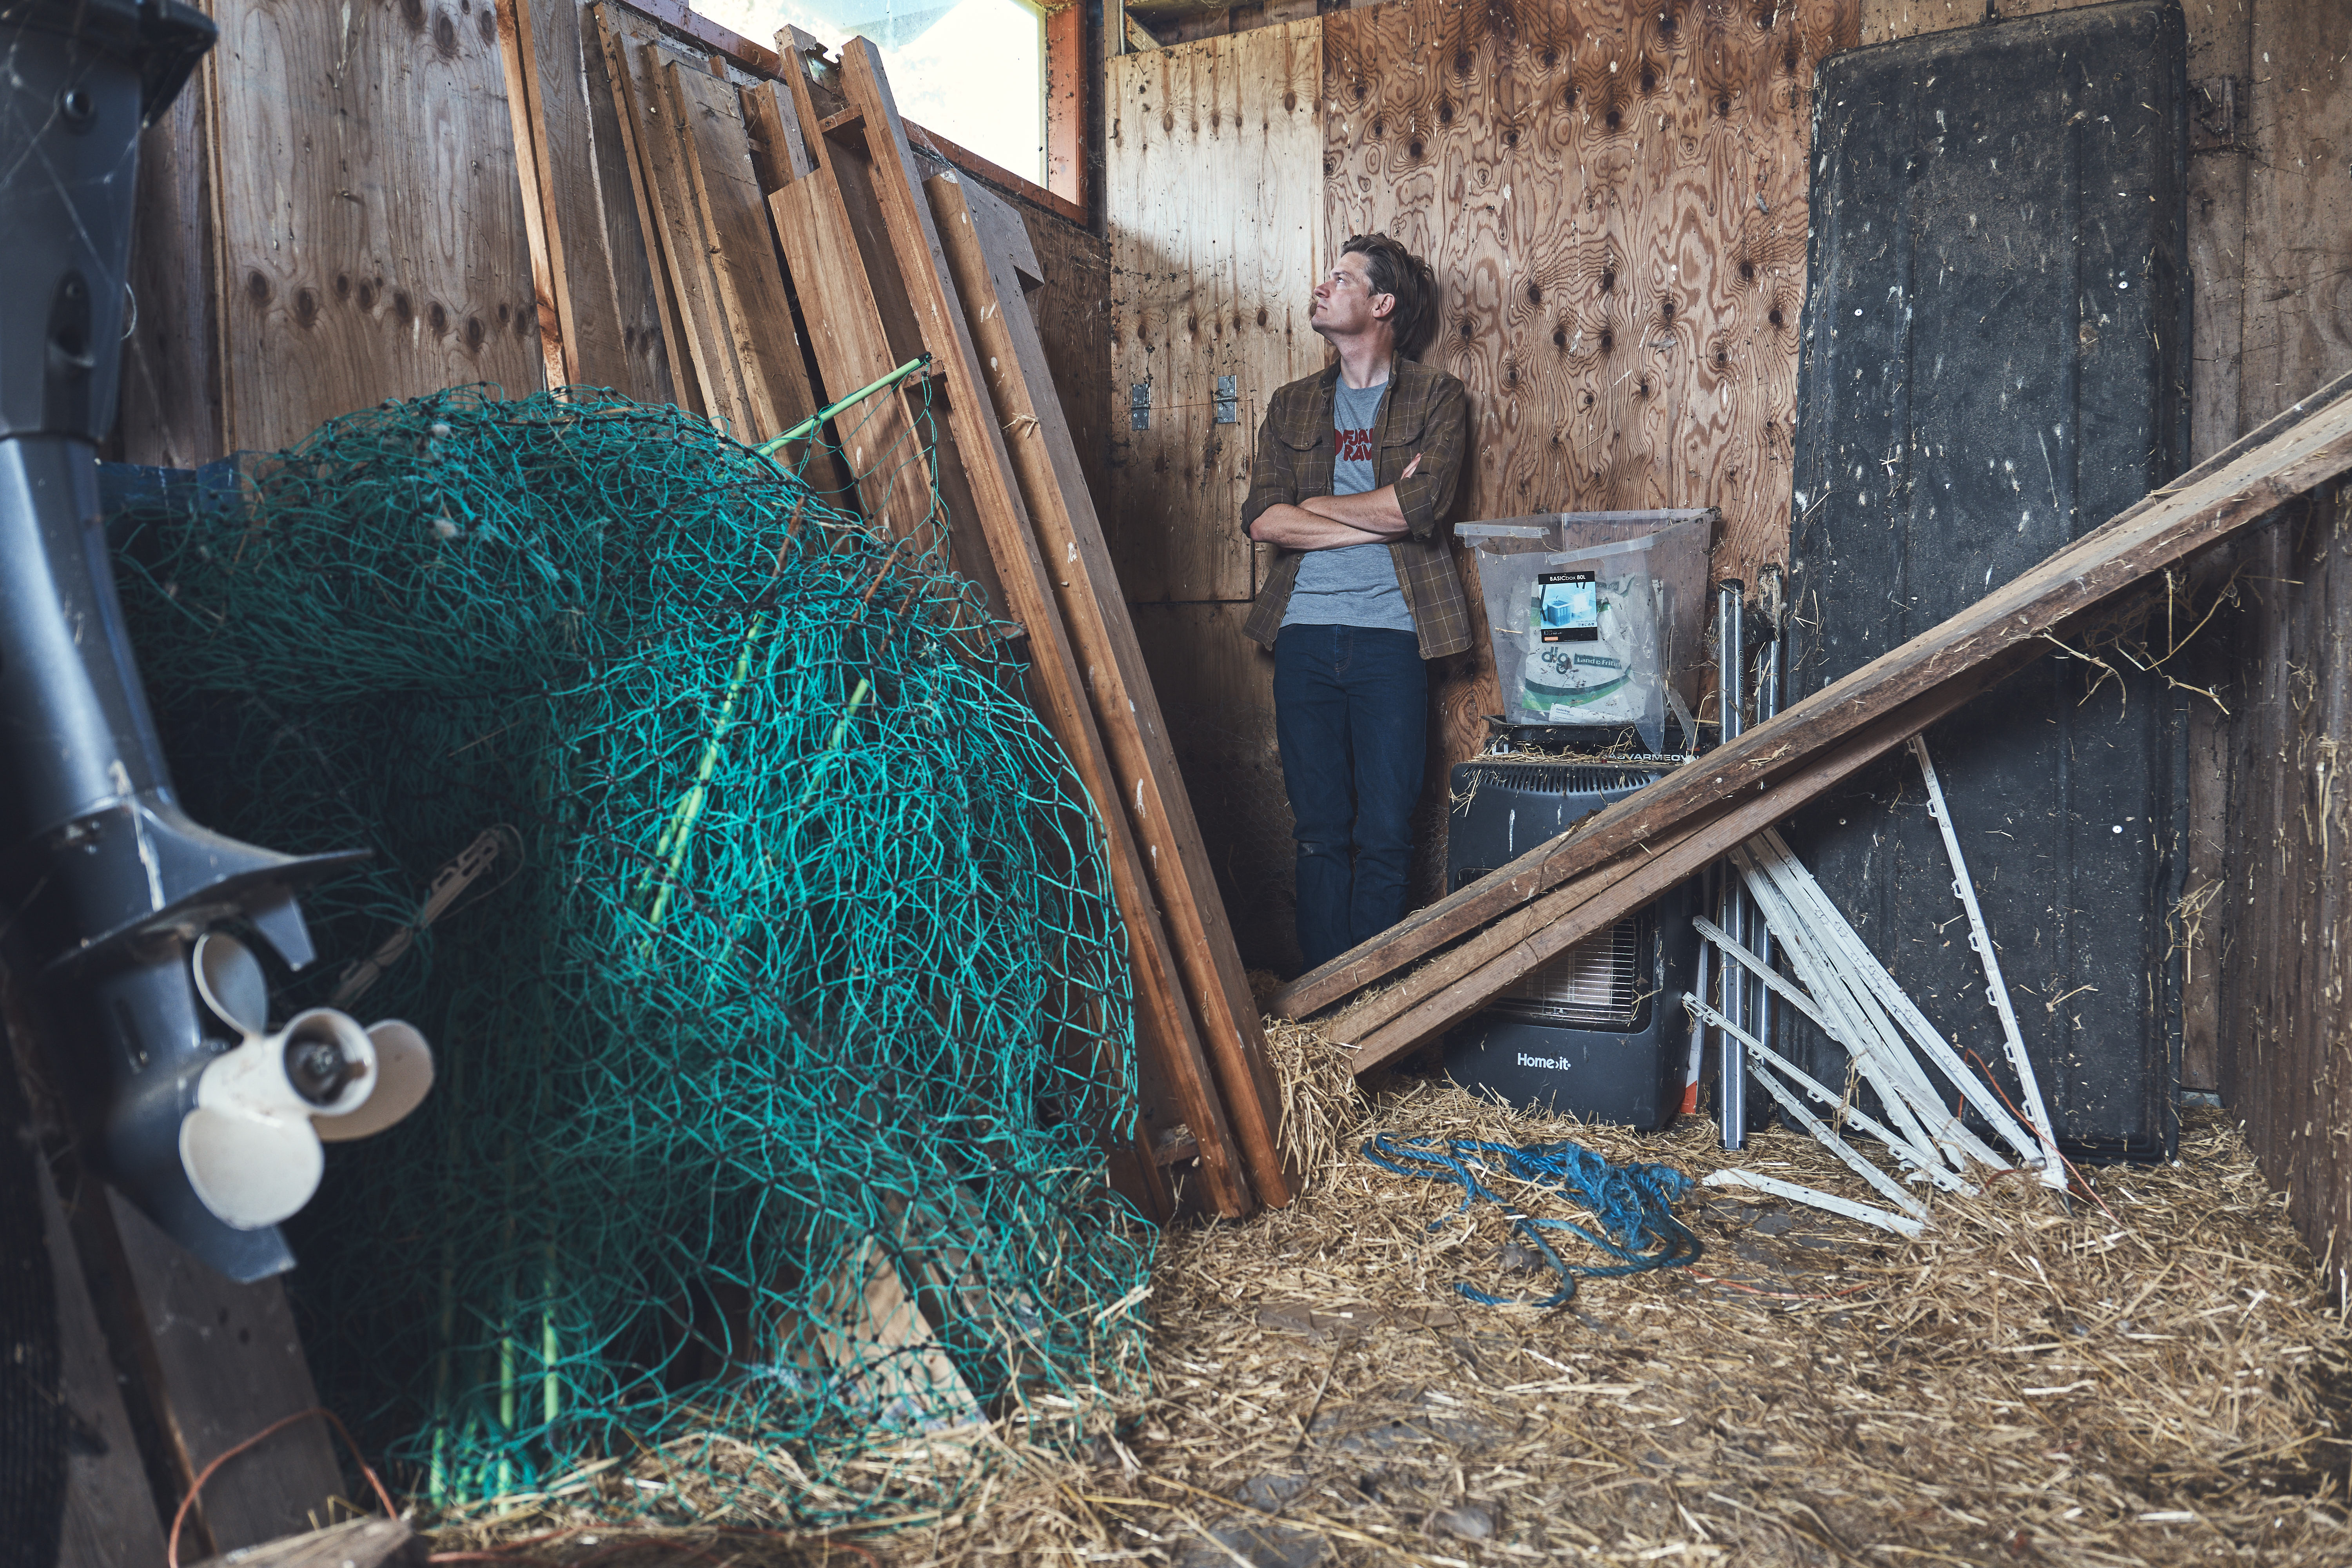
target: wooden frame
987 250
867 258
1071 73
914 241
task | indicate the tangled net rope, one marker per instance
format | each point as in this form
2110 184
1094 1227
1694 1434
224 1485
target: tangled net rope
1634 1204
759 928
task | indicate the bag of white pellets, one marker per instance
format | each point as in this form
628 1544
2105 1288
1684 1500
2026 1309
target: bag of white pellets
1579 634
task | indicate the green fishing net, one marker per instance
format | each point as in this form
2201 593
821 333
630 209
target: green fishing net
759 928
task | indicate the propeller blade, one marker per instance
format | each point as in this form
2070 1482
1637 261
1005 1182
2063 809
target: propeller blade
251 1170
403 1067
229 979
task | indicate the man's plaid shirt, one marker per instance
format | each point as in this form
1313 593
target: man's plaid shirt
1424 411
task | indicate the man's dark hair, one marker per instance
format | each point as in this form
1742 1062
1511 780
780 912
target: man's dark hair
1398 271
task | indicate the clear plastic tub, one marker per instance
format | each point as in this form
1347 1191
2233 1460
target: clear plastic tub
1596 616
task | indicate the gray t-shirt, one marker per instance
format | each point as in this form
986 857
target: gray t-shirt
1355 586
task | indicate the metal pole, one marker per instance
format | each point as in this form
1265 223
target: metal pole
1772 673
1707 880
1731 674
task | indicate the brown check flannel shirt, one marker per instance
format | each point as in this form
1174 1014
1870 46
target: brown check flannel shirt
1424 411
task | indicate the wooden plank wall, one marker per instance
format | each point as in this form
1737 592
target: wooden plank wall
289 266
1613 197
368 218
1215 222
1214 244
2270 230
2284 936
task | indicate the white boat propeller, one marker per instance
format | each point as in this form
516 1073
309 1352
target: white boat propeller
251 1146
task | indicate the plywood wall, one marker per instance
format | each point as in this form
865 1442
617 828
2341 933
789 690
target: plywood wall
366 211
1613 197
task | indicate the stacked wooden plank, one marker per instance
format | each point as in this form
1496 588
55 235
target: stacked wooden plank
1489 934
799 247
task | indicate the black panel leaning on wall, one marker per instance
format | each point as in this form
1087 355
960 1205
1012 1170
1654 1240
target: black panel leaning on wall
1994 366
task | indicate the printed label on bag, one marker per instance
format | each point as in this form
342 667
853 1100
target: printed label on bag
1570 603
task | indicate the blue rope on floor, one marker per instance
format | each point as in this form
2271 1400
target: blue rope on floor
1634 1204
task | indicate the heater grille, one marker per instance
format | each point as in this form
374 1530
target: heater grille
1596 984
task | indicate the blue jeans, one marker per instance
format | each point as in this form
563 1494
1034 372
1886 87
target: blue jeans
1351 714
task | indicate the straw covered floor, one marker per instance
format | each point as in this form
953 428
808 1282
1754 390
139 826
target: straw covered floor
2153 1377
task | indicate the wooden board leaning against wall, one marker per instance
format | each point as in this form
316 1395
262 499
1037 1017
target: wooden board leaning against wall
1614 197
337 288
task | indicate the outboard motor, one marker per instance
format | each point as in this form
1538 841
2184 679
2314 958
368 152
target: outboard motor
183 1097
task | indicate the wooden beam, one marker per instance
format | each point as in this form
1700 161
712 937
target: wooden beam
1071 81
1998 634
1164 1019
880 436
1438 995
780 152
988 251
110 1517
997 174
892 467
685 244
616 29
372 1543
557 331
221 1361
753 307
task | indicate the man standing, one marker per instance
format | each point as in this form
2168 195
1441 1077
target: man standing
1356 472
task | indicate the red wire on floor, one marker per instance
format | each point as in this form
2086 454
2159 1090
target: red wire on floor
2073 1173
179 1519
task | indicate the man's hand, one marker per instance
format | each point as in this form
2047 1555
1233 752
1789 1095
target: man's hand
1334 522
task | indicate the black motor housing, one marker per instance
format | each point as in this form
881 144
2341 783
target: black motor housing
105 882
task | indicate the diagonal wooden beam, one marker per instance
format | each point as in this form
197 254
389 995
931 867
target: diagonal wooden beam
1991 639
988 251
1433 999
1166 1031
616 28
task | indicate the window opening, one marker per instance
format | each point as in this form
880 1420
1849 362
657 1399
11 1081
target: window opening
972 70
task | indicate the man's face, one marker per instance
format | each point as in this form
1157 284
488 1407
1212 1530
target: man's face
1345 302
